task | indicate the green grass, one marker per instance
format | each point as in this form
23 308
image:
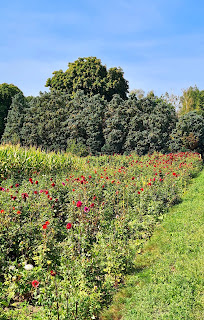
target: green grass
169 281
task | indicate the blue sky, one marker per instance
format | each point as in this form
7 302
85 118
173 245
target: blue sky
159 44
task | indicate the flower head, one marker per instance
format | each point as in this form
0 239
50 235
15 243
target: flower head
69 225
35 283
28 267
86 209
79 204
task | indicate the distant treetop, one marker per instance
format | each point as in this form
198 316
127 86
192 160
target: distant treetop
89 75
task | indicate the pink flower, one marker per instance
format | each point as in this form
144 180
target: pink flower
63 183
86 209
79 204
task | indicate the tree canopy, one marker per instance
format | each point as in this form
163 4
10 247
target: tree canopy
7 92
192 100
88 74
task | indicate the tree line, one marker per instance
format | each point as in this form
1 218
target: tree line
88 111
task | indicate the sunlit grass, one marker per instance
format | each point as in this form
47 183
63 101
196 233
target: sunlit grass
170 280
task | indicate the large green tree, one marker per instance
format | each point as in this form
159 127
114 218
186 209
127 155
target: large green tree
15 120
150 122
88 74
116 125
86 120
45 121
7 92
188 134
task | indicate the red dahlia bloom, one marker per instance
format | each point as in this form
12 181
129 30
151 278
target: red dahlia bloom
44 226
69 225
35 283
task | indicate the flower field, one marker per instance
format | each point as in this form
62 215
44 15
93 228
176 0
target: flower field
72 227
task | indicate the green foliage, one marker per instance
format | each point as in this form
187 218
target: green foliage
151 120
189 133
192 100
79 222
86 121
116 125
15 120
89 75
168 283
76 148
55 121
7 92
45 121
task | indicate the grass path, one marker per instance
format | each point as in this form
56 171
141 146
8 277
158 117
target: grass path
170 283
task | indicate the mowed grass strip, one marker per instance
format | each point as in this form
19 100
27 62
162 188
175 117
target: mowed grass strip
169 281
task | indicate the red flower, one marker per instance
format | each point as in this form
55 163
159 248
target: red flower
35 283
69 225
53 184
17 185
35 192
44 226
24 196
92 205
47 223
79 204
36 182
53 273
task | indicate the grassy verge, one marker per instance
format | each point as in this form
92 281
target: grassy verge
169 280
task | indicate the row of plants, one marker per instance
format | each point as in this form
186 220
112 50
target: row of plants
71 227
91 125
